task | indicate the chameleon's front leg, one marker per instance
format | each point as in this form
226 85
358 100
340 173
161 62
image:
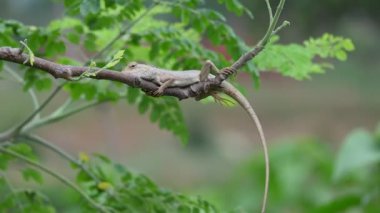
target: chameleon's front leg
162 87
207 67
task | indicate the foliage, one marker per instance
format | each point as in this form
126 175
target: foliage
306 177
338 185
168 34
359 150
299 61
89 24
114 187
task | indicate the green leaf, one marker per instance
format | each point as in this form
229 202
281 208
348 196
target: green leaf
132 94
90 42
89 7
68 61
155 113
359 150
143 105
115 59
23 149
103 158
154 50
73 37
348 45
82 177
298 61
72 6
64 23
341 55
55 47
43 84
39 80
78 90
234 6
340 204
32 174
4 159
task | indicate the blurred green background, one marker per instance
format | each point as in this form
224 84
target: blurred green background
305 122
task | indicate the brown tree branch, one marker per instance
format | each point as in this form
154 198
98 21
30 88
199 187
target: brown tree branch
68 72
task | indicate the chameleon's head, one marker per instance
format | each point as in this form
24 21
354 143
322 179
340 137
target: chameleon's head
135 67
138 70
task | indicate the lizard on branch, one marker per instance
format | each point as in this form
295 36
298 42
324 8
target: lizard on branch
181 79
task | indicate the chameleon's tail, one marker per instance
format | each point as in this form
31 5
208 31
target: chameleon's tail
231 91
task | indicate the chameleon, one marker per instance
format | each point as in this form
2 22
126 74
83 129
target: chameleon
164 78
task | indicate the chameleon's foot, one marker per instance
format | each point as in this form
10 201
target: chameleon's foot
228 71
157 93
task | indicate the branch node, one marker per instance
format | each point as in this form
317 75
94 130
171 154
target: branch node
282 26
67 73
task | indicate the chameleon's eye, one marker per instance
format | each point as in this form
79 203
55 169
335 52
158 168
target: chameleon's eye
132 65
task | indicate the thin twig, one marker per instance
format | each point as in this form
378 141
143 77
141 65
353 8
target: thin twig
269 11
39 109
57 116
273 24
63 107
261 44
279 28
59 177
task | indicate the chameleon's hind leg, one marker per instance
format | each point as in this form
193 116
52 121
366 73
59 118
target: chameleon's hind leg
207 67
162 87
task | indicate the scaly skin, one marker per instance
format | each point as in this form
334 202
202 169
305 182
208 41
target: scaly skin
168 78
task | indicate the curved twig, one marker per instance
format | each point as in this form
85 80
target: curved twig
59 151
